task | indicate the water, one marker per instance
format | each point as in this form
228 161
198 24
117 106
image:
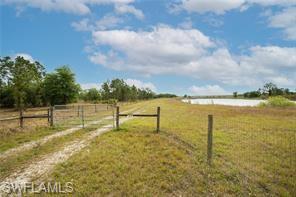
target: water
230 102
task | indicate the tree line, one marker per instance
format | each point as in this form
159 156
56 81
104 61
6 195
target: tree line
26 84
119 90
269 90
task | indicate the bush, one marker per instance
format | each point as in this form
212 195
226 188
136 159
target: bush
278 101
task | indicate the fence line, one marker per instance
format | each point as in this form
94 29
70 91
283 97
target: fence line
157 115
52 113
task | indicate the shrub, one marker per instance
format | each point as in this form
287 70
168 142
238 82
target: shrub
277 101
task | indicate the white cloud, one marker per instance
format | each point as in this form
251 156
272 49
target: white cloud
222 6
109 21
208 90
129 9
25 56
87 86
272 57
140 84
165 50
83 25
69 6
286 20
216 6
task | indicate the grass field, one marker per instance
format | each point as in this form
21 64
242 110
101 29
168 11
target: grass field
254 154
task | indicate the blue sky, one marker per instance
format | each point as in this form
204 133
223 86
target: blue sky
192 47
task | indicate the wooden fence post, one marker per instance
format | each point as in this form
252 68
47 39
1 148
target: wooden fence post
51 116
158 120
78 109
117 117
21 118
82 116
210 139
48 115
95 108
113 114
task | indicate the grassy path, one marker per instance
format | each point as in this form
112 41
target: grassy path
44 165
30 145
254 154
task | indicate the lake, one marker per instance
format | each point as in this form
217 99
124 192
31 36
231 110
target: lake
230 102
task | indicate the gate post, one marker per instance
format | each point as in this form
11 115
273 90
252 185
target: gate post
21 118
210 139
158 120
82 116
51 116
117 117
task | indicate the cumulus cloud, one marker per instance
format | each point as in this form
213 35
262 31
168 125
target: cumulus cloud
222 6
109 21
286 20
25 56
188 52
83 25
216 6
80 7
140 84
208 90
129 9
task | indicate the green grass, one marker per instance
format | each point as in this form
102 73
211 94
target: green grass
278 101
15 162
11 138
254 154
22 136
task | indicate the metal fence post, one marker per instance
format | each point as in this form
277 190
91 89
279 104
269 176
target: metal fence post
82 116
117 117
210 139
21 118
158 120
51 116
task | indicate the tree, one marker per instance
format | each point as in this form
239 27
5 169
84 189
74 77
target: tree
270 89
106 92
60 87
92 95
235 94
19 74
119 90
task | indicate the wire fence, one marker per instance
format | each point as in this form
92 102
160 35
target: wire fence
64 116
91 116
258 151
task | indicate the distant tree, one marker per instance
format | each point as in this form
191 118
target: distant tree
270 89
92 95
235 94
20 74
119 90
6 97
252 94
165 95
185 96
133 93
60 86
106 92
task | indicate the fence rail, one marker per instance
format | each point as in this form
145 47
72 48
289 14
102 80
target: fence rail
157 115
58 113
